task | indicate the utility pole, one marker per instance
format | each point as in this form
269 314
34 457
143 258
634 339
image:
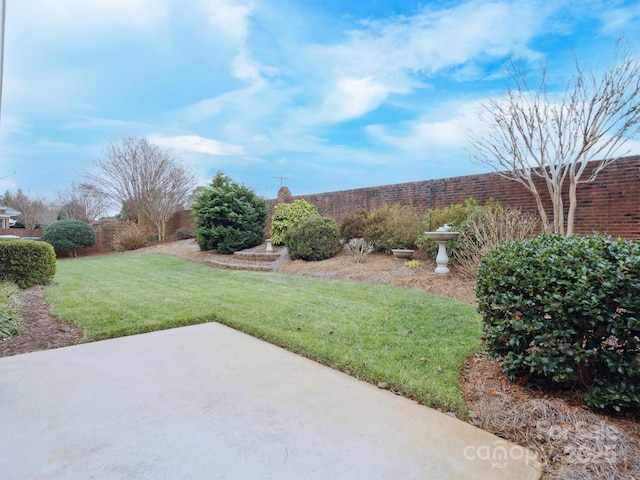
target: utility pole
2 22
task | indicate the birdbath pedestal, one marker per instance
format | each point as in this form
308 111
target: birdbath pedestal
441 238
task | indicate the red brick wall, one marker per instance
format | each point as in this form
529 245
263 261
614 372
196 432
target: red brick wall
22 232
610 205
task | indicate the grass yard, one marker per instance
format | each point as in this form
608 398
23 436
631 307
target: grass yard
414 342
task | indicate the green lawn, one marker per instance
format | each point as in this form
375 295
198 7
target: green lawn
415 342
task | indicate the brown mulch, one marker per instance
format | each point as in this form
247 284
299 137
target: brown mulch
538 419
41 331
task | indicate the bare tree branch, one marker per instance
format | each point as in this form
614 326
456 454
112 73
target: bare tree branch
33 210
532 133
83 201
144 178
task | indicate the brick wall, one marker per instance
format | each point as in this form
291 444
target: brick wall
610 205
22 232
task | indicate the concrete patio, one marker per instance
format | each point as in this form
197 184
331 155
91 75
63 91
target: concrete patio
208 402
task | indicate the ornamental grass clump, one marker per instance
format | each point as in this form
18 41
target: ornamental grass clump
359 248
487 228
130 236
566 311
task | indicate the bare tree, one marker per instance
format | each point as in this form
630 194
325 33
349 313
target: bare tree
83 201
532 134
143 177
33 210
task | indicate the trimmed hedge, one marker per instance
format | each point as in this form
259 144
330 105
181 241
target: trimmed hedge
566 311
27 262
313 238
69 235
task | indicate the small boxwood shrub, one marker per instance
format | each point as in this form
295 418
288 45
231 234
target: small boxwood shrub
10 303
286 215
566 311
27 262
69 235
313 238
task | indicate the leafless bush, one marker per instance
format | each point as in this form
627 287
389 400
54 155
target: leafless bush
488 228
130 236
359 248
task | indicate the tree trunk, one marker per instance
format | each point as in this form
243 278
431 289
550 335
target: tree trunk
573 202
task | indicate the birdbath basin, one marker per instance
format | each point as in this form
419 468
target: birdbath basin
441 238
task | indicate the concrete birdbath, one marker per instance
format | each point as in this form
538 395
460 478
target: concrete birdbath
441 236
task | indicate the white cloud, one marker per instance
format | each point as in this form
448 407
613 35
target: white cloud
400 54
617 19
350 98
196 144
86 19
445 129
230 18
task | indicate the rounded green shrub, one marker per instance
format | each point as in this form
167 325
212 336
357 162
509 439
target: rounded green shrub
286 215
313 238
69 235
566 310
352 225
397 226
228 216
26 262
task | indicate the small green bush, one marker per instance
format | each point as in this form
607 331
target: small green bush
566 310
352 226
10 303
69 235
228 216
313 238
398 226
183 234
27 262
286 215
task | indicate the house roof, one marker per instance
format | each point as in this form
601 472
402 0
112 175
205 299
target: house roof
8 211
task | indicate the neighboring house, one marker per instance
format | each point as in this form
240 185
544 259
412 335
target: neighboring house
5 216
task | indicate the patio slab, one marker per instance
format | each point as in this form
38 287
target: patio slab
208 402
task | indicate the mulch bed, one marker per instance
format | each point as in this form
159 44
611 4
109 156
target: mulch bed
41 330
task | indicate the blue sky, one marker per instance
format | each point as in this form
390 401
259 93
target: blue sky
333 94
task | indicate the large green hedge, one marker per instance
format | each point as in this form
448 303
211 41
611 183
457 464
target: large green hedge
228 216
27 262
566 310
